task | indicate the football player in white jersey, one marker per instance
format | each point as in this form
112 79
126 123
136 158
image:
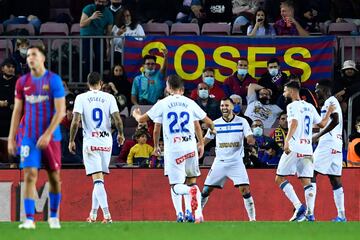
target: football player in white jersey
230 133
178 114
328 154
95 108
297 156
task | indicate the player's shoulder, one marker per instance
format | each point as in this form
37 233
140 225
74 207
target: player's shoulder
238 119
54 76
331 100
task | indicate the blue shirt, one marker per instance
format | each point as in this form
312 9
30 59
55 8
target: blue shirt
98 26
149 89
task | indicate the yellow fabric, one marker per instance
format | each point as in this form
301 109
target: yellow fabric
352 158
139 151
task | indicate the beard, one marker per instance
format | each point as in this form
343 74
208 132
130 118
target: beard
264 100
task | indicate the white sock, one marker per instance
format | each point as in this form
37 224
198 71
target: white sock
187 200
181 189
250 207
204 200
198 211
94 205
314 192
339 201
309 199
177 201
290 194
102 197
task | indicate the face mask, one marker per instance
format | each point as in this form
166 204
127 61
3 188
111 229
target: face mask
116 5
149 71
273 72
264 100
237 109
99 7
203 94
258 131
209 81
23 51
242 72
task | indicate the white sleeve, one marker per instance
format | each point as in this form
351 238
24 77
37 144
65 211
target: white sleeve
158 120
78 106
113 105
317 117
155 111
247 128
251 98
198 113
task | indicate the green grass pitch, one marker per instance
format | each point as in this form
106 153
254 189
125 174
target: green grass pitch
184 231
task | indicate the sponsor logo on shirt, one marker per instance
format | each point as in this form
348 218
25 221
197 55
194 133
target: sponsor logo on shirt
229 145
179 139
46 87
100 149
186 156
304 141
36 98
100 134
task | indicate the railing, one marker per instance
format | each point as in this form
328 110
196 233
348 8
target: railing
350 112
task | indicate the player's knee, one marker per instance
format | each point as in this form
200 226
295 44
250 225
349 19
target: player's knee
30 176
279 180
244 189
335 183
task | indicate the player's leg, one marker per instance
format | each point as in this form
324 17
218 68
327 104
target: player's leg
305 172
101 195
248 201
30 178
338 198
205 194
311 216
309 197
287 166
177 203
55 198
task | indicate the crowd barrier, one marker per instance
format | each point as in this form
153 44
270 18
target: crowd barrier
144 195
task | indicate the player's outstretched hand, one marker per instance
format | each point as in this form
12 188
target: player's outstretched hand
200 147
43 141
72 147
157 151
136 113
12 147
120 139
286 148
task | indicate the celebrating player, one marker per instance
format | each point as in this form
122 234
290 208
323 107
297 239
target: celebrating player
178 114
230 133
40 94
297 156
94 108
328 154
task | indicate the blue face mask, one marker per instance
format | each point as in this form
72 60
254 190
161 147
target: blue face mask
273 72
237 108
242 72
203 94
258 131
150 71
209 81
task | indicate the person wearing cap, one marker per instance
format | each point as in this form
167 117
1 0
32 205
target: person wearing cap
7 89
271 155
348 84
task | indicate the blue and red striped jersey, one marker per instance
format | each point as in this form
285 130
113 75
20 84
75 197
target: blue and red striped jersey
38 94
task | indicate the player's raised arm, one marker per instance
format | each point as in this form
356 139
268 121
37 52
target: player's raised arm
15 121
73 131
210 124
156 137
325 120
333 123
119 126
140 118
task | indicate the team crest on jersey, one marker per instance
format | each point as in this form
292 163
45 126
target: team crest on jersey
46 87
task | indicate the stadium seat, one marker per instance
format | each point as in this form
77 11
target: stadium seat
6 48
125 112
75 29
181 29
1 28
156 29
130 122
351 46
28 27
143 108
215 29
208 160
52 28
237 29
341 28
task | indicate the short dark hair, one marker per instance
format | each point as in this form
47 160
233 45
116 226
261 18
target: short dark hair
293 85
41 48
146 57
294 76
273 60
325 83
175 82
209 69
228 99
93 78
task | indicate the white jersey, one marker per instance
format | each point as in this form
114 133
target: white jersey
334 137
177 114
306 115
230 138
96 108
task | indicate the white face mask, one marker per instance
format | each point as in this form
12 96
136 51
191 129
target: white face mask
23 51
203 93
273 72
258 131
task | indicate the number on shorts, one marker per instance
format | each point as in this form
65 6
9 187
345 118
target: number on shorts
97 116
24 151
184 116
307 125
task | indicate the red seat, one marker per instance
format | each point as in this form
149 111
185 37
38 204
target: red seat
6 48
341 28
215 29
156 28
52 28
28 27
185 29
75 29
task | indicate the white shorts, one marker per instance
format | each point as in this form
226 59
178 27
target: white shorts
96 158
293 162
180 165
327 161
221 170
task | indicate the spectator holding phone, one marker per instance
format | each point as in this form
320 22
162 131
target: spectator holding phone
260 25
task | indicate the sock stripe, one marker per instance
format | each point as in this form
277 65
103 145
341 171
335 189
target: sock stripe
337 187
308 186
283 184
99 181
247 195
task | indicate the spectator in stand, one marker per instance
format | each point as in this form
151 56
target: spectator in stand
345 11
215 89
140 154
238 111
158 161
271 155
116 6
162 11
33 20
244 10
260 25
273 79
280 132
184 14
7 90
272 8
219 11
148 87
96 20
125 25
353 155
238 82
259 107
22 45
66 156
348 84
288 25
207 103
305 94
